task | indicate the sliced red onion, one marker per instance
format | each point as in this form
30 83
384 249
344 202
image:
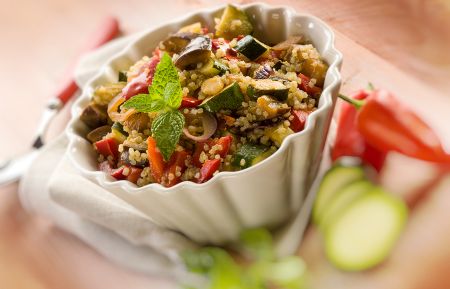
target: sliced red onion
209 124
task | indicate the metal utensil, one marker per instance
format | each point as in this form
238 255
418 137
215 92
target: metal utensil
12 170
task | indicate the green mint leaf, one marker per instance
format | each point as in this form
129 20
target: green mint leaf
166 73
173 94
143 103
166 129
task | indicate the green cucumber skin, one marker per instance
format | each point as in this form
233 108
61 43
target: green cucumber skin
322 199
220 101
337 208
250 47
341 262
248 152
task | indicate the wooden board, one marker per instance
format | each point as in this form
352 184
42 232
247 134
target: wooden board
382 42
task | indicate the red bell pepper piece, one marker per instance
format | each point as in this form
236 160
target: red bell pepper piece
208 169
140 83
299 120
189 102
107 147
118 173
304 85
177 160
350 142
225 142
155 159
133 173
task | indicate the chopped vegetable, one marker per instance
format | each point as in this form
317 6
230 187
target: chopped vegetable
107 147
278 133
175 43
299 119
247 154
230 97
270 87
365 233
234 22
189 102
98 133
175 167
94 116
214 67
197 51
155 159
208 169
270 108
251 47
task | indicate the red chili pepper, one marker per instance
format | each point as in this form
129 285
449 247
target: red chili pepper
107 147
208 169
155 159
177 162
350 142
304 85
299 120
188 102
389 125
140 83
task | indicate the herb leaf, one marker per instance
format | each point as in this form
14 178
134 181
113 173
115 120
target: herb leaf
165 73
173 94
143 103
166 129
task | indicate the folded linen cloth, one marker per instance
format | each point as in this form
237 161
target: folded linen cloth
52 187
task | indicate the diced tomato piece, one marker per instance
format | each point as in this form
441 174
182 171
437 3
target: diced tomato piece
304 85
188 102
208 169
107 147
118 173
177 160
140 83
155 159
299 120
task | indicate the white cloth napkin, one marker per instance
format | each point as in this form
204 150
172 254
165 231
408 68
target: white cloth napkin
53 188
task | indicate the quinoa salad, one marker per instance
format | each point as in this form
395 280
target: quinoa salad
203 102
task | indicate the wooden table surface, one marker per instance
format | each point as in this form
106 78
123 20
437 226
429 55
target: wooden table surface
401 45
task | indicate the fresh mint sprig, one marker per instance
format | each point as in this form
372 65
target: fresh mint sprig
164 96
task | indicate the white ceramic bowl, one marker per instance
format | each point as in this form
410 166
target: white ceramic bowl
263 195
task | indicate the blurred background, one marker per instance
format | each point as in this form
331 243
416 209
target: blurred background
40 38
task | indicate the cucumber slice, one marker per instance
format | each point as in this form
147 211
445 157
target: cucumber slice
251 47
342 200
334 180
365 234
